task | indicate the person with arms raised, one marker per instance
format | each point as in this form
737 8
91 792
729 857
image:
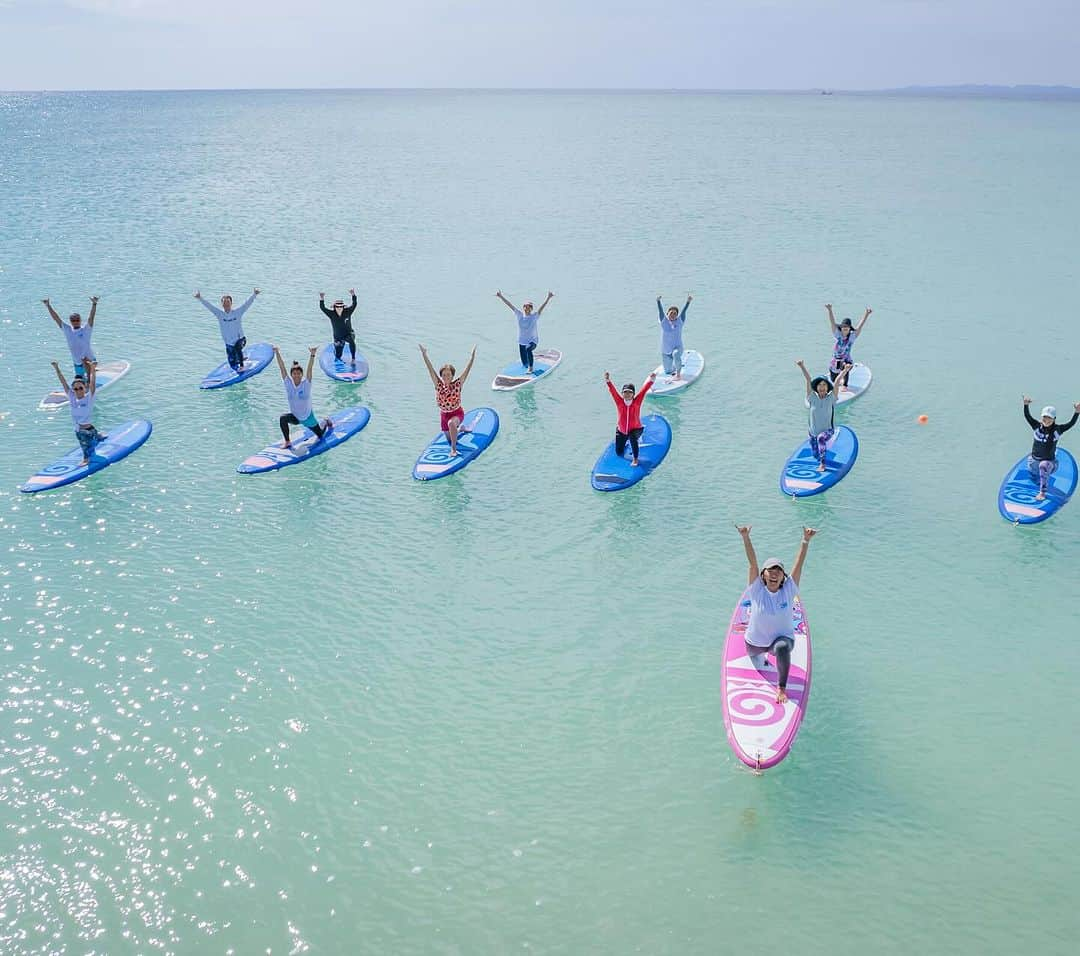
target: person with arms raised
232 331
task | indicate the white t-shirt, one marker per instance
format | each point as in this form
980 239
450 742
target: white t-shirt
78 342
772 615
299 397
81 408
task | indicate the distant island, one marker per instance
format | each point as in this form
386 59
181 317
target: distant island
1024 91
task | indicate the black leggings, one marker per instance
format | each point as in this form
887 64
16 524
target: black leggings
290 419
235 354
781 649
526 353
620 441
339 346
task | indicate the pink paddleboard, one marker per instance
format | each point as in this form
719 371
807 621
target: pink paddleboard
760 730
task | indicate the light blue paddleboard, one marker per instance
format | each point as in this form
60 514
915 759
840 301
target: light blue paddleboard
305 445
515 376
256 358
120 442
1016 499
106 374
612 473
477 432
693 364
800 477
342 370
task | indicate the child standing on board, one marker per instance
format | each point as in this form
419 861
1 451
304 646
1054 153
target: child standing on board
671 343
628 409
298 391
772 593
78 335
232 332
1042 462
844 337
448 396
528 331
822 398
81 400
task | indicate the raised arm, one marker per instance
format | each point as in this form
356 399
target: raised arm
800 557
91 375
322 305
1072 421
214 310
93 310
1027 412
52 312
550 296
660 308
832 321
347 312
430 368
689 299
63 381
311 361
247 304
862 321
806 375
280 361
648 384
468 368
505 301
751 557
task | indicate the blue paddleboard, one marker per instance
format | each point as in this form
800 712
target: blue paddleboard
801 478
120 442
347 423
1016 499
478 430
612 473
342 370
256 358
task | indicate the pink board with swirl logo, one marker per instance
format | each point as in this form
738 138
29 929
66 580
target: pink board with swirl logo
760 730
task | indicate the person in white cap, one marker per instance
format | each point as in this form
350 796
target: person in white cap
1042 462
772 594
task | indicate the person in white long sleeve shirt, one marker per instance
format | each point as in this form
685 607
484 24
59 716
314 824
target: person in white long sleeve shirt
232 332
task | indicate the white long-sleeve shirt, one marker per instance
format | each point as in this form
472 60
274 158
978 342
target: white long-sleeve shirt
229 322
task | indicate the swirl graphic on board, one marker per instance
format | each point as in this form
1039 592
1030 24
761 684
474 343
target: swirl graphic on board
805 472
753 704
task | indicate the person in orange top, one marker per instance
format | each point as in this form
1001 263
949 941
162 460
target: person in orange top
448 396
628 408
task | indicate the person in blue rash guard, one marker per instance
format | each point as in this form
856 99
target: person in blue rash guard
671 343
1042 462
232 332
528 331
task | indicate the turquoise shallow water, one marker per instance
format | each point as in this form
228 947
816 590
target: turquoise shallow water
336 710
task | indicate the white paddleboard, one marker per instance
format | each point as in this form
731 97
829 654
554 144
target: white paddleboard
858 381
693 364
545 361
107 373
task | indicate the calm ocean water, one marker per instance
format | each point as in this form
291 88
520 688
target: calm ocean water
333 710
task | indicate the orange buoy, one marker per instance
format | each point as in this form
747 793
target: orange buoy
923 419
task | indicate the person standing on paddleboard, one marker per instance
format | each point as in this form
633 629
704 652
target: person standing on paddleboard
298 391
772 593
844 336
822 398
448 396
80 395
528 331
232 332
77 335
1042 462
341 323
628 408
671 343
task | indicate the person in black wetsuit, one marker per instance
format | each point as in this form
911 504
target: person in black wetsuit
340 317
1042 462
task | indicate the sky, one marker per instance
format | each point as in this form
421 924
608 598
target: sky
636 44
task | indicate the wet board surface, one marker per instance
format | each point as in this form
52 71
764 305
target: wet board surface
120 442
858 381
1016 497
478 431
342 369
515 376
800 477
107 374
692 367
760 730
347 422
256 358
612 473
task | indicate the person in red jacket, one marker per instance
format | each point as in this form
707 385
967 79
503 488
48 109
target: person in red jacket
628 406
